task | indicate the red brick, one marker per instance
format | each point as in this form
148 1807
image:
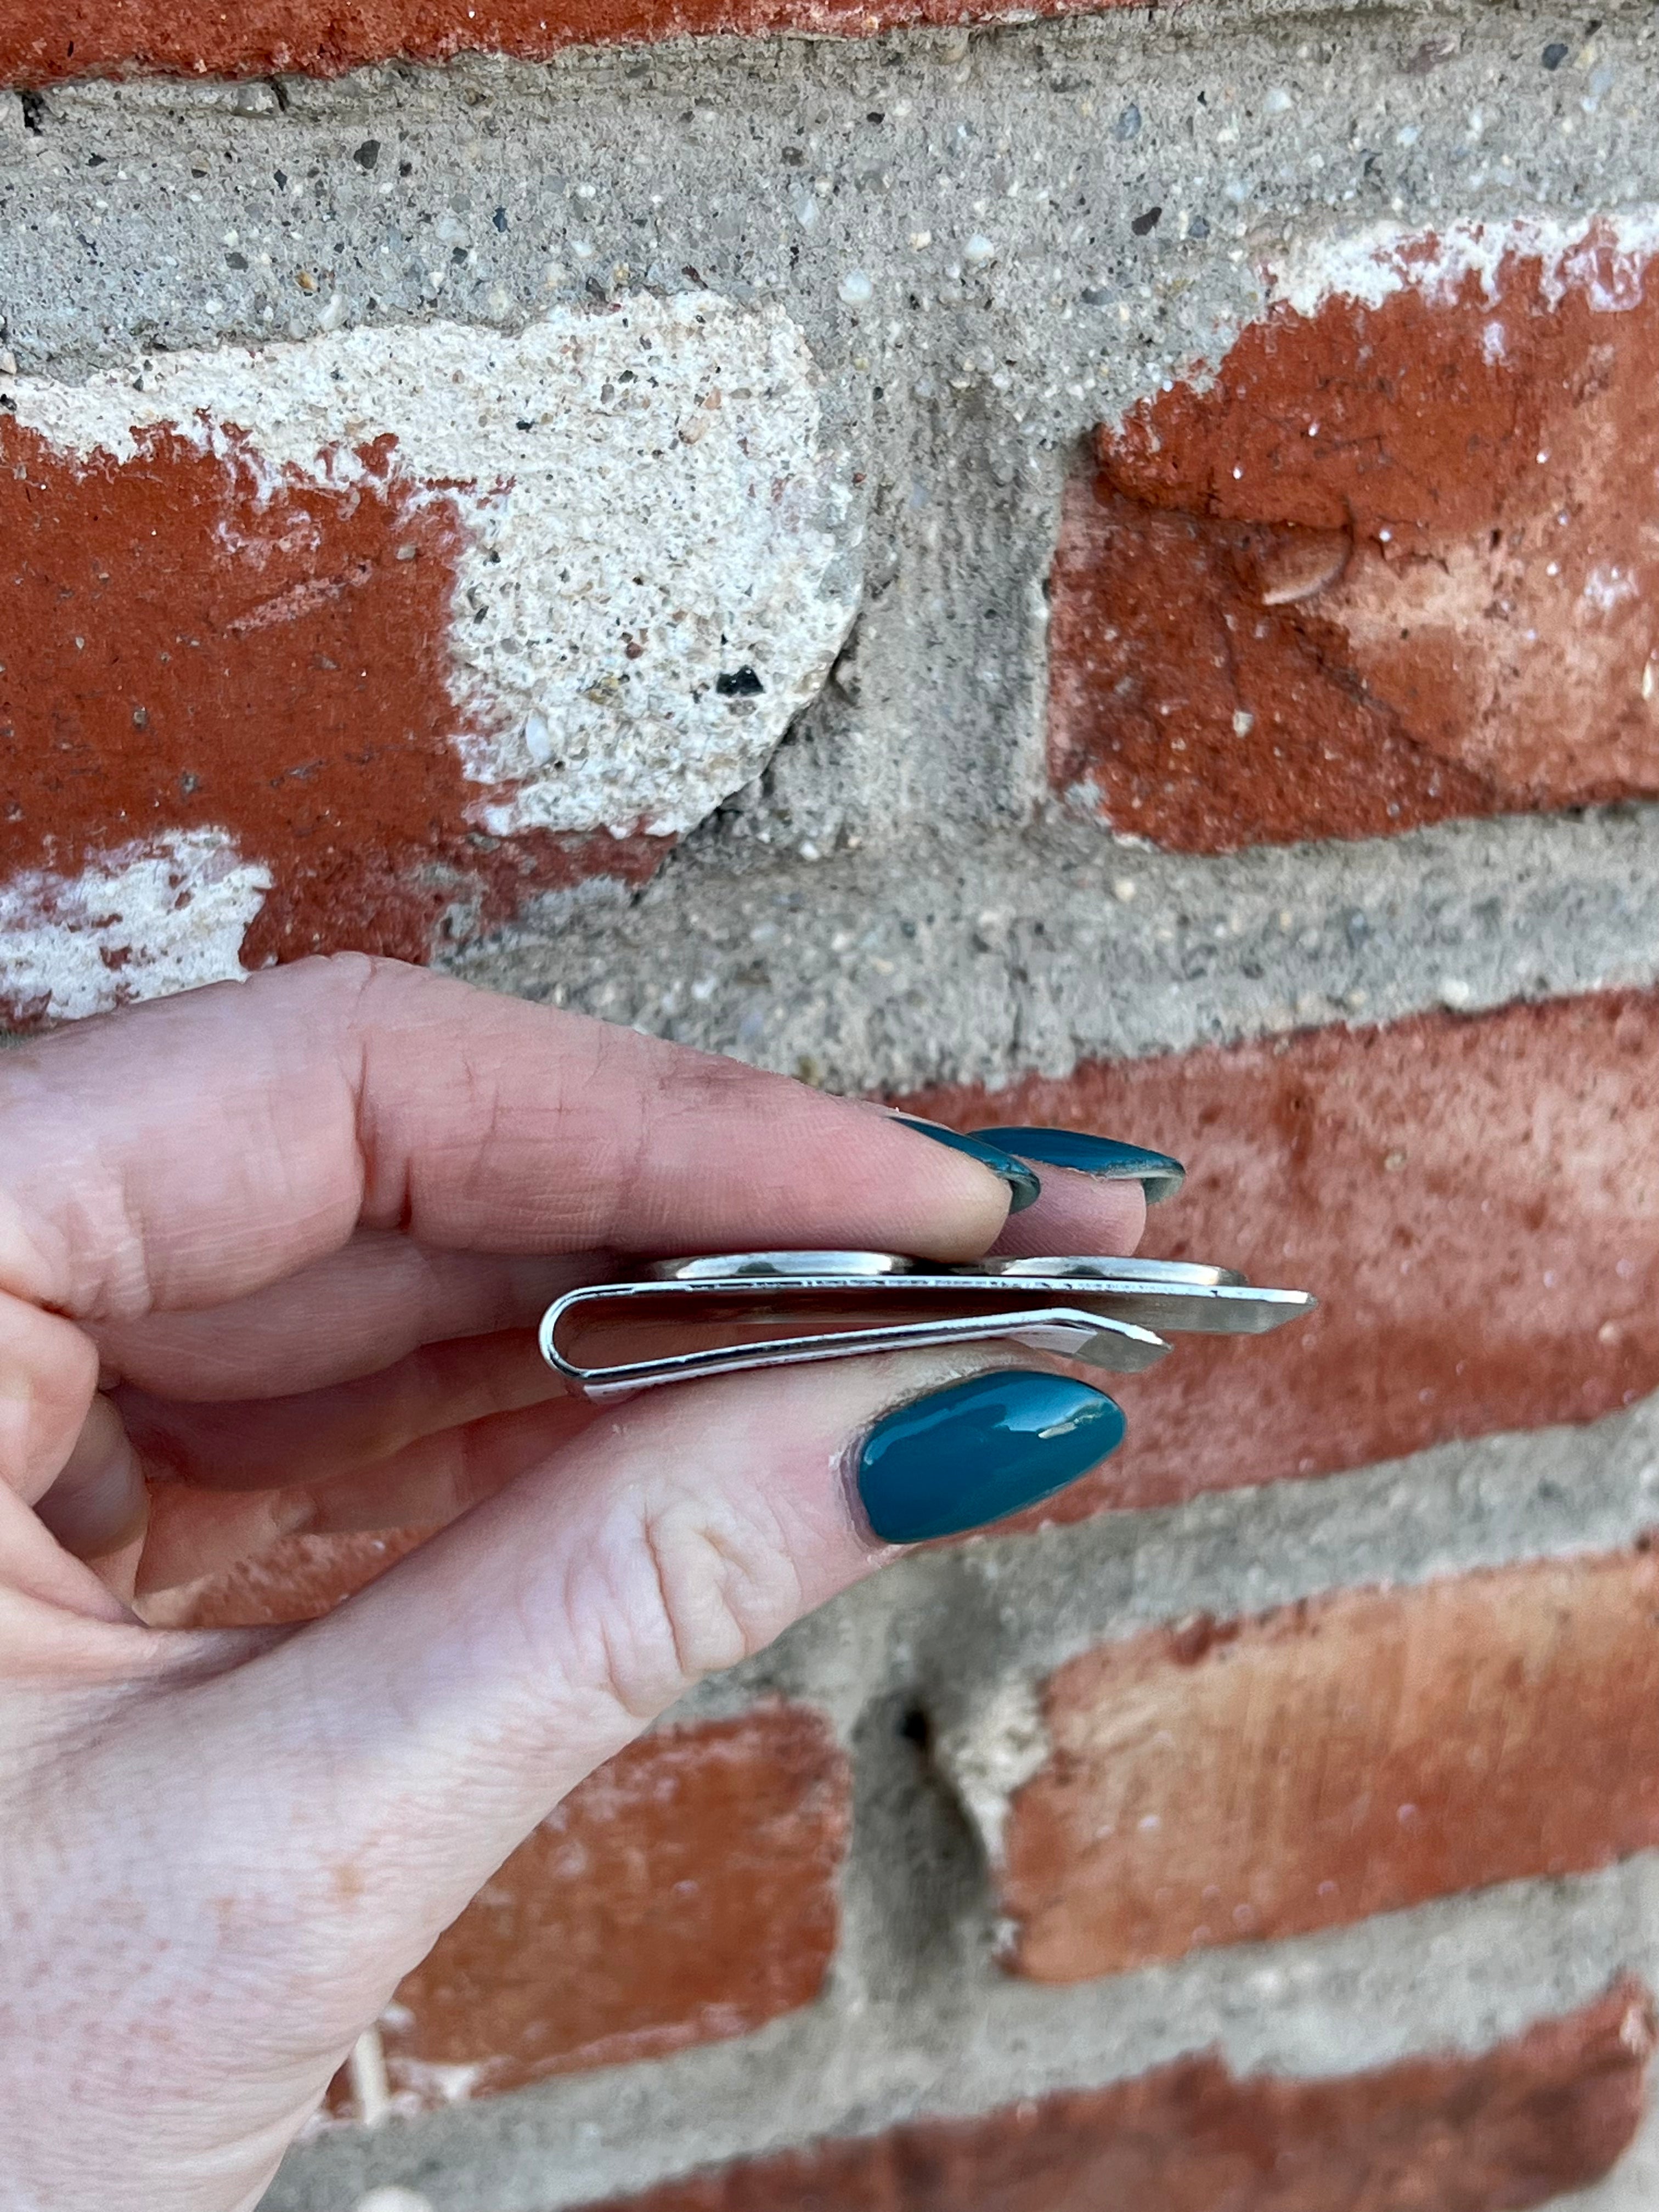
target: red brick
194 648
44 39
685 1892
297 1578
1220 1782
1393 563
1547 2112
1476 1200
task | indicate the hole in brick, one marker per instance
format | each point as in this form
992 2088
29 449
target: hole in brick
915 1726
916 1879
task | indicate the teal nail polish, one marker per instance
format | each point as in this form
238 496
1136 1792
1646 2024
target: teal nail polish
1023 1182
979 1450
1160 1176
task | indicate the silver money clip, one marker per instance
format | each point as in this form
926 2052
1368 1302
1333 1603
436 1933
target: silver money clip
717 1315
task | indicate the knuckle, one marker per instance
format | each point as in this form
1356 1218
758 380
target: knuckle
713 1591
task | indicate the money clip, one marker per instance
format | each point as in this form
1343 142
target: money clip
724 1313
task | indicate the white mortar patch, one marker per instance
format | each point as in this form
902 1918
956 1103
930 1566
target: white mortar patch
993 1755
1604 255
138 923
649 502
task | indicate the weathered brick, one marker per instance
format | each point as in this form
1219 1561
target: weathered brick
685 1892
1475 1199
1220 1782
365 641
231 703
40 41
1392 563
297 1578
1546 2112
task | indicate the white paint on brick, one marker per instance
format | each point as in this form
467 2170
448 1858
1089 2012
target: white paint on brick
162 916
673 512
425 2086
1604 255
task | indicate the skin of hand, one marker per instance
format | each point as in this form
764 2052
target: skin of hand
271 1255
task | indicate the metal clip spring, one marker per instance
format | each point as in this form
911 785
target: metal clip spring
725 1313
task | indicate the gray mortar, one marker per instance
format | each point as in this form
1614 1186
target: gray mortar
918 2017
978 959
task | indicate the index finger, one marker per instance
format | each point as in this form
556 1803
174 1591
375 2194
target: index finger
189 1150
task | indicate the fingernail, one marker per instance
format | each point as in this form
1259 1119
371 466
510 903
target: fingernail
1023 1182
1159 1176
979 1450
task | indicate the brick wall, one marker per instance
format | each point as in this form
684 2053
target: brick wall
1095 572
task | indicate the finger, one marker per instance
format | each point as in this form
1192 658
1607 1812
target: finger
98 1505
118 1571
48 1374
1096 1190
54 1430
274 1443
181 1153
1076 1214
194 1533
349 1313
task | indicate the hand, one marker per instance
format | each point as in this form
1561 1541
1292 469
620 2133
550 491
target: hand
271 1259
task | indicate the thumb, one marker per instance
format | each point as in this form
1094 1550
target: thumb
678 1535
456 1700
